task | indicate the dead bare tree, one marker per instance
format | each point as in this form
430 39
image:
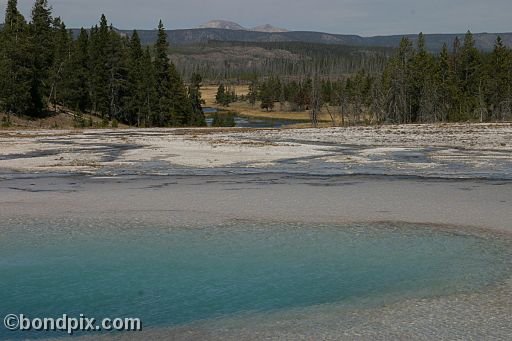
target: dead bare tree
343 102
481 109
333 118
316 102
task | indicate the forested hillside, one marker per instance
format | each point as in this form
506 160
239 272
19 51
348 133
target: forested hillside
220 61
101 72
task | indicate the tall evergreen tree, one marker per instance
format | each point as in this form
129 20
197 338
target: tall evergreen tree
220 97
499 81
79 74
181 106
42 52
424 85
163 114
253 92
16 62
266 96
59 76
149 89
135 86
173 105
99 72
117 71
470 76
194 92
397 82
447 88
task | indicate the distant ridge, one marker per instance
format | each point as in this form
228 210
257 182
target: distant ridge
484 41
268 33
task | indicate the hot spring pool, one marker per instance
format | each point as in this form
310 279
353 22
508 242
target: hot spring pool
171 276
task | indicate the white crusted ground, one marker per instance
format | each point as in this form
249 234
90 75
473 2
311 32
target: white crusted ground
401 149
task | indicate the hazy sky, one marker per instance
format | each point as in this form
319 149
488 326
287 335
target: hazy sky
364 17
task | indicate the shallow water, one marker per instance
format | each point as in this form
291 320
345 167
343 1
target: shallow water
255 122
170 275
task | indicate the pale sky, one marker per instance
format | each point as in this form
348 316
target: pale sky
363 17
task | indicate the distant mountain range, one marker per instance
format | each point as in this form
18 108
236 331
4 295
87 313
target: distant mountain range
220 30
484 41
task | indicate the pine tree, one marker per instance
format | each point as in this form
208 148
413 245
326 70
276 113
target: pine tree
194 92
282 99
447 88
117 75
316 102
99 73
60 68
173 106
163 108
424 89
253 92
181 106
470 76
266 96
135 86
42 52
221 93
79 74
16 62
149 90
499 81
397 83
3 70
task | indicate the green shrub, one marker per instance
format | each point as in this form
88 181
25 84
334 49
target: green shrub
6 121
79 120
224 120
104 123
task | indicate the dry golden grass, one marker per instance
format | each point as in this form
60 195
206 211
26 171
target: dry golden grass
210 91
248 110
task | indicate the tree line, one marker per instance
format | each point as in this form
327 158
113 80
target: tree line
460 83
243 61
43 68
